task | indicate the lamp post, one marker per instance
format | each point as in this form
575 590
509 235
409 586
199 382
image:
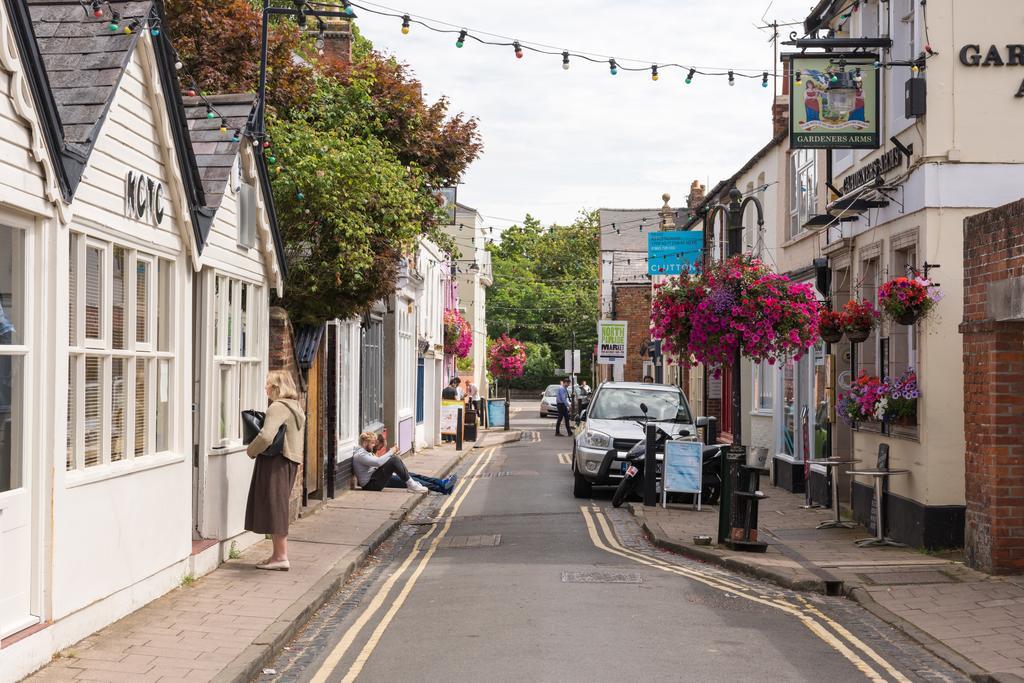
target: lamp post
733 212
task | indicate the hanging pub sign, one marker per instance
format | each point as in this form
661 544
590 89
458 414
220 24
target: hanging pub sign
143 198
833 101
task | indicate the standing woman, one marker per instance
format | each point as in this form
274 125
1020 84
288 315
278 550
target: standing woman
267 509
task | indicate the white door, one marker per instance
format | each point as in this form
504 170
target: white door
15 498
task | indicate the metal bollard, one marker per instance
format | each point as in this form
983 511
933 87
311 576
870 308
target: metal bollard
651 468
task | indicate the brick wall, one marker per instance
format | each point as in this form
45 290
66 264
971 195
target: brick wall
633 304
993 397
282 357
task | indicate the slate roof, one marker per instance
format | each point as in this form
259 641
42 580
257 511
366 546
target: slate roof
84 61
214 151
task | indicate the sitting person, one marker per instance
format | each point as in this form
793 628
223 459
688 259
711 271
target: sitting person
444 486
375 472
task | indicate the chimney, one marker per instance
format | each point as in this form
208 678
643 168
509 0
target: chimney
338 40
780 108
696 194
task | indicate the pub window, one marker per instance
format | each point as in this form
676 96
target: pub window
867 351
803 181
903 338
118 384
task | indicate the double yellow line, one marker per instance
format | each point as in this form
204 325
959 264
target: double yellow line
431 541
839 638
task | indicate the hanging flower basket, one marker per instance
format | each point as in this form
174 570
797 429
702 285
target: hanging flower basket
506 358
735 304
873 399
830 326
907 300
458 336
860 318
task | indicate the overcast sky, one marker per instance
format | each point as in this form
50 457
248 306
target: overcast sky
557 141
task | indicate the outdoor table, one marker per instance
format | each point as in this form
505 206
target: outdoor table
880 538
837 521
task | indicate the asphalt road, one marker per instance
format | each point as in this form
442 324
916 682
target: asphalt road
512 579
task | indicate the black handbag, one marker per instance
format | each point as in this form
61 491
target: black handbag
252 425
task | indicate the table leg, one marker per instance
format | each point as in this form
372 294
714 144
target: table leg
836 522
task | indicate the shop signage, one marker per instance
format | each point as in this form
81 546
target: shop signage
450 417
889 161
834 101
611 342
143 198
971 55
669 252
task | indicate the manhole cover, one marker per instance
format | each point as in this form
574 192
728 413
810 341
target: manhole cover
487 541
600 577
906 578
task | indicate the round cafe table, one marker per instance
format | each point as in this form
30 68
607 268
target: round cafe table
837 522
879 538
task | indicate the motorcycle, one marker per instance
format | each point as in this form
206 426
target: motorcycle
633 477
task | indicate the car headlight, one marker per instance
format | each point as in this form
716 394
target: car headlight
593 439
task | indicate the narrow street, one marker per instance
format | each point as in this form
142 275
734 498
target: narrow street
511 578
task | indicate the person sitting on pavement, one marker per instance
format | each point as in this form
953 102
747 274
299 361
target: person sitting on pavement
375 472
444 486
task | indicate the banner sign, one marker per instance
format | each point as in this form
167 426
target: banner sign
833 101
450 417
669 252
684 461
611 341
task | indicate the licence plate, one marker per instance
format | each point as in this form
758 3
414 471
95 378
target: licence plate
631 471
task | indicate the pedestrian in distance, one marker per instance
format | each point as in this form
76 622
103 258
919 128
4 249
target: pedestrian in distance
473 397
648 379
266 511
451 392
375 472
562 401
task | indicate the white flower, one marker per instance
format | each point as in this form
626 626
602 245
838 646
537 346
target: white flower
880 408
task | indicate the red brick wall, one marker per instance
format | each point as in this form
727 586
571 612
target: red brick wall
282 357
633 304
993 396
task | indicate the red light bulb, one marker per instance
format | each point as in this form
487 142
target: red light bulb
191 93
97 13
266 144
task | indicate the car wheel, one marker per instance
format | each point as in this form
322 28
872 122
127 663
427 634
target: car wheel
581 488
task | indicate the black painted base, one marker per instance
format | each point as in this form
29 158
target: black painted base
787 475
821 492
934 527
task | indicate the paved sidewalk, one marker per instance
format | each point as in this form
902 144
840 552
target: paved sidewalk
974 621
227 624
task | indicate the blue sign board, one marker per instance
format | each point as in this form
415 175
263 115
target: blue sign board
669 252
683 461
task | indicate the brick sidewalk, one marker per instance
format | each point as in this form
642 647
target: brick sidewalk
225 625
974 621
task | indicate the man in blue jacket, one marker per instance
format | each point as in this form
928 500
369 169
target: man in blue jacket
562 401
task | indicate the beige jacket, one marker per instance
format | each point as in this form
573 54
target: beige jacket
286 412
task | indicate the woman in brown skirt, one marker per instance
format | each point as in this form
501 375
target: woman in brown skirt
273 476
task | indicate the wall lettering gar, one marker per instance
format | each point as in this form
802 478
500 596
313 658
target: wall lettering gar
972 55
144 198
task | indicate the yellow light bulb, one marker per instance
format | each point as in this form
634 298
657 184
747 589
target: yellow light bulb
405 30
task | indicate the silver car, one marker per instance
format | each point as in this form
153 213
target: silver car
549 401
611 426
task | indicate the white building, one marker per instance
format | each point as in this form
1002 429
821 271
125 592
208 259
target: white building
434 267
475 275
103 224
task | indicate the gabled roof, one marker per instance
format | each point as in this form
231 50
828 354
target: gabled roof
74 64
214 151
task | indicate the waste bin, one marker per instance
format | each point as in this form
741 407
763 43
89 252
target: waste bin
495 412
469 424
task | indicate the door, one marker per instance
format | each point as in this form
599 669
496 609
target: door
16 532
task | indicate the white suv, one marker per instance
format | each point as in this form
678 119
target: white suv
611 427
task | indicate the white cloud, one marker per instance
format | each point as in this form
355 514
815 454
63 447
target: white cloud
556 141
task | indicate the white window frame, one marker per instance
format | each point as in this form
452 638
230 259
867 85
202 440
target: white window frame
21 351
245 388
803 199
406 352
762 375
247 212
80 349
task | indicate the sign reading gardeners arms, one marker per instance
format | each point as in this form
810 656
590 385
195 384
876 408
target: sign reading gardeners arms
611 341
833 101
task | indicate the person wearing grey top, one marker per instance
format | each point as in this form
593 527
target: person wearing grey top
377 472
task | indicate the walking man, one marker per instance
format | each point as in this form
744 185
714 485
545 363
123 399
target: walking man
563 408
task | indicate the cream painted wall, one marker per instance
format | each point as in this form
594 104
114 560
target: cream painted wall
114 528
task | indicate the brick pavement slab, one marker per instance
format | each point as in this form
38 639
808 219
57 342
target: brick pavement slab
974 621
225 625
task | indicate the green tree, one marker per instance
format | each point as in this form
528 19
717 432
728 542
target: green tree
540 368
545 286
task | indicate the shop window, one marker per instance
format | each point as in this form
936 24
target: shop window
348 400
803 181
112 411
238 316
371 376
12 357
406 351
867 288
763 387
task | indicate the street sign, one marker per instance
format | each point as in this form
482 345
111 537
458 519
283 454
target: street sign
833 101
669 252
611 342
572 362
683 468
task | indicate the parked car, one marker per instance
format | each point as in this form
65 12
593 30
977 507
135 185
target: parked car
549 400
610 427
